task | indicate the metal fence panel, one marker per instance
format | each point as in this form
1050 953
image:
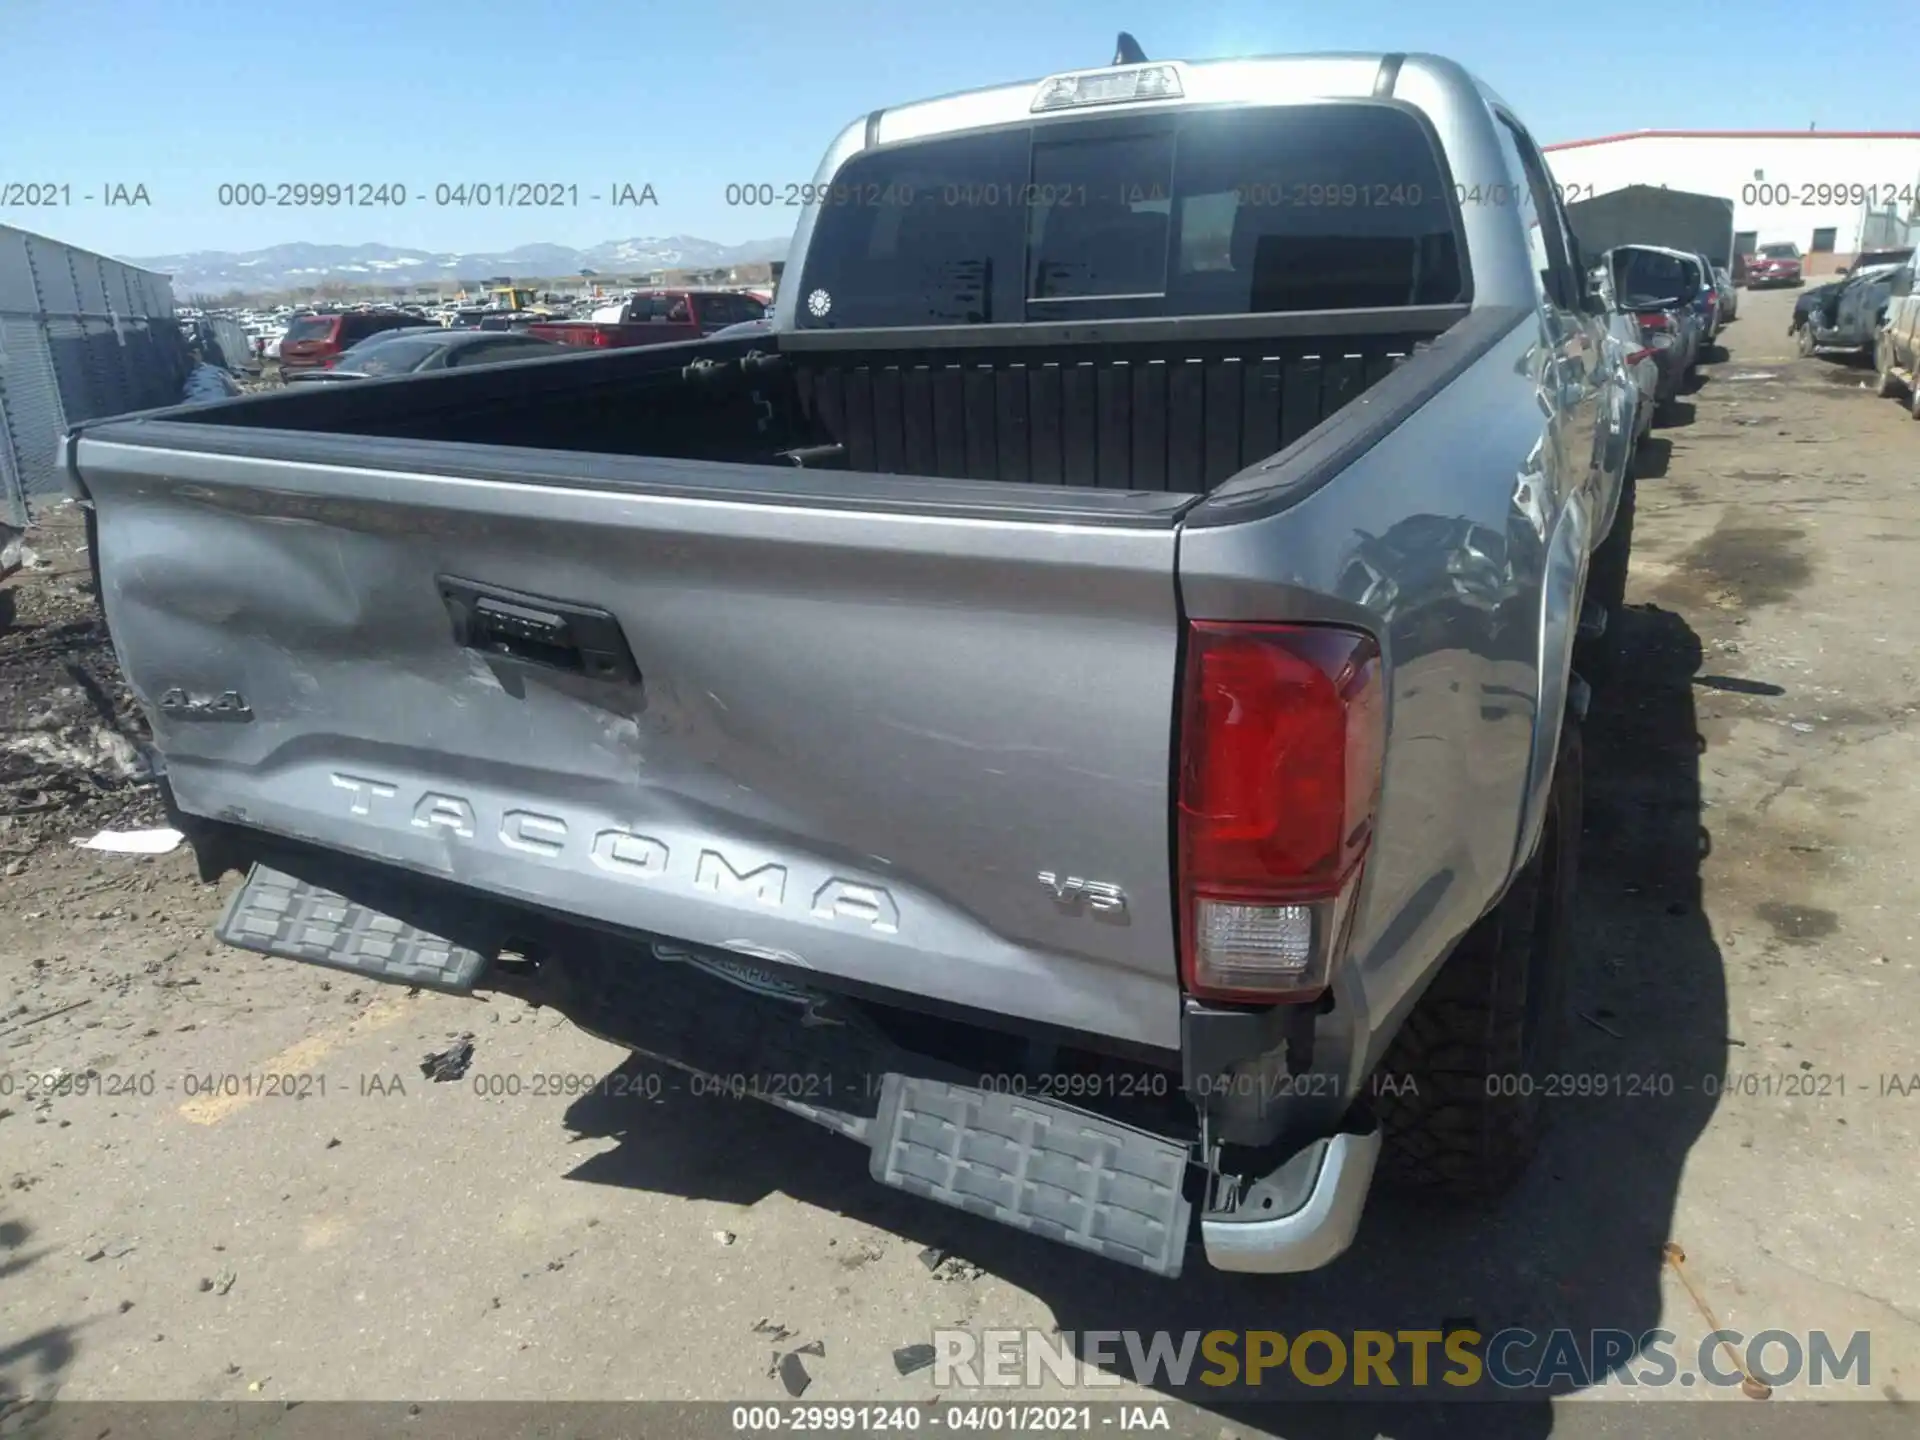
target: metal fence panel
89 286
234 349
31 416
52 275
17 293
81 336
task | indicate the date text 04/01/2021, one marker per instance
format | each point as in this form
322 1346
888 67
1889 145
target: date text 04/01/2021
998 1418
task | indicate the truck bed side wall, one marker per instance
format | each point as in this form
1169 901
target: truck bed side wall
1443 539
1170 415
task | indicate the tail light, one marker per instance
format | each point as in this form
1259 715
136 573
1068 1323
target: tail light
1655 321
1281 737
602 340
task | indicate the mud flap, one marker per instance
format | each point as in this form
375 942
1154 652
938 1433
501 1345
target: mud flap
276 914
1038 1166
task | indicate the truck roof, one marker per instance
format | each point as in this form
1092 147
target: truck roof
1430 81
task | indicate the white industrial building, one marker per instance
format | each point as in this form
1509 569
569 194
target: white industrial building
1833 192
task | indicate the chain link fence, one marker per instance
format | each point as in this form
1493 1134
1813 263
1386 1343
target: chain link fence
81 336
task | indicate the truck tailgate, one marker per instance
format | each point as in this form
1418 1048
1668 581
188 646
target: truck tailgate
873 741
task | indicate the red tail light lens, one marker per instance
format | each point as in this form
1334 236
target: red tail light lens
1655 321
1281 737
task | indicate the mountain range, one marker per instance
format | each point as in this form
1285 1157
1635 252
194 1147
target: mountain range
300 265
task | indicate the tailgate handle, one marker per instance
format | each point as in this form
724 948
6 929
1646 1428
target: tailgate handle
535 630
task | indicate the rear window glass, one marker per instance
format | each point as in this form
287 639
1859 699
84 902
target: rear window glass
1220 212
660 309
357 326
1641 276
500 351
310 327
1780 252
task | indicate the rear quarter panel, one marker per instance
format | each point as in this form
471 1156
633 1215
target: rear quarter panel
1461 541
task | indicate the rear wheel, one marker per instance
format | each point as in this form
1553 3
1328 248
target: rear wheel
1459 1089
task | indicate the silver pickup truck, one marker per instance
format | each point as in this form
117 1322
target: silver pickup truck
1084 706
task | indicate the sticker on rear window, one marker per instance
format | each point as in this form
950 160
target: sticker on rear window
819 303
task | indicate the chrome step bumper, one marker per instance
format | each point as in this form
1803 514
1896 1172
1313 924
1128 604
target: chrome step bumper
1302 1216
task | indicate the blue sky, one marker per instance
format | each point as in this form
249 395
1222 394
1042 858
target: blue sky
182 95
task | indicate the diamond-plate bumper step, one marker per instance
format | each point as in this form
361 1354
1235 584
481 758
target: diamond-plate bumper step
276 914
1038 1166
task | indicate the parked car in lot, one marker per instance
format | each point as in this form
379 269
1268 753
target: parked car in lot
1637 355
318 341
1897 348
1774 265
1716 296
1847 316
1729 295
656 317
1656 286
1706 298
418 349
1227 755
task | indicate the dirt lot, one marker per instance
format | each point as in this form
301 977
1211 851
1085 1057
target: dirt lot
1749 899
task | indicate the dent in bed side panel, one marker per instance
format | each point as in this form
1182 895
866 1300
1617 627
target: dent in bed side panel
1436 541
858 741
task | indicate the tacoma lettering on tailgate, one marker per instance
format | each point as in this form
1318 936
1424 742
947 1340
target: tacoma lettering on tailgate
628 853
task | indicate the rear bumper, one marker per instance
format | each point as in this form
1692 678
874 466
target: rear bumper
1123 1182
1320 1194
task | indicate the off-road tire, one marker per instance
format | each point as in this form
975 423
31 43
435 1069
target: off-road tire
1458 1093
1607 585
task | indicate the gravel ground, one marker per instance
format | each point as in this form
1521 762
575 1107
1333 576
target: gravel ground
1748 896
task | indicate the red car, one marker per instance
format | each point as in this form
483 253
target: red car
1774 265
318 341
656 317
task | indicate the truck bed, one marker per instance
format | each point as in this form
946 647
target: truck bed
1151 407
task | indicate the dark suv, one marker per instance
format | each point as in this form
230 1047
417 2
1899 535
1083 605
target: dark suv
318 341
